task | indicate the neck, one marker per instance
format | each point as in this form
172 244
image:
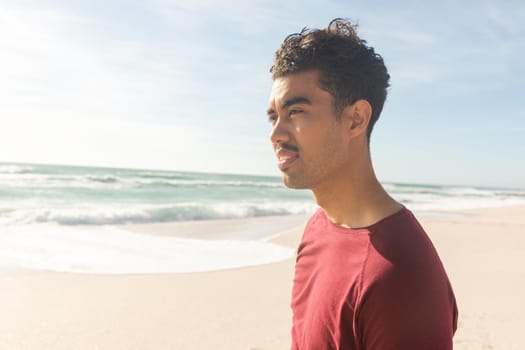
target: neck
354 197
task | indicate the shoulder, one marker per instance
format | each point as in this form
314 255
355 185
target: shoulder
402 264
402 241
405 287
401 256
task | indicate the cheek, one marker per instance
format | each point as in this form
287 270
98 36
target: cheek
332 145
308 132
309 141
318 140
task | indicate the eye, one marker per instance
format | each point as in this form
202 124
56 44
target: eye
294 111
272 119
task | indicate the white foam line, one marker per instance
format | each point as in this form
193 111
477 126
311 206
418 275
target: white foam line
109 250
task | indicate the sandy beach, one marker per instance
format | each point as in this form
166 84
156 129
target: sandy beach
248 308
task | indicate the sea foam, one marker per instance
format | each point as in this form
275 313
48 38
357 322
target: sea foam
110 250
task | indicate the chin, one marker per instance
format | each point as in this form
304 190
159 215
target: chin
297 184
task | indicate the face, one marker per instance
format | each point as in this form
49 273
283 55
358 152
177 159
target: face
307 137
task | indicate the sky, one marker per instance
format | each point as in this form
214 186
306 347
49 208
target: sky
184 85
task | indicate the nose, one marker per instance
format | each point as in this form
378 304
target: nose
279 133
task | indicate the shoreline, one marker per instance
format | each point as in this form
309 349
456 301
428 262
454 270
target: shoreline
267 233
161 248
263 228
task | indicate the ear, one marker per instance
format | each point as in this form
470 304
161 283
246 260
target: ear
357 117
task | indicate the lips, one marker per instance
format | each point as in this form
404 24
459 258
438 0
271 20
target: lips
285 158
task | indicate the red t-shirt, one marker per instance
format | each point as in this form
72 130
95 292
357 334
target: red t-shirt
375 288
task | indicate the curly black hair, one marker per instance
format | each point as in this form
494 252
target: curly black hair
350 70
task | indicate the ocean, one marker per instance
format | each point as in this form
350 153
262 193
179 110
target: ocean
69 195
69 218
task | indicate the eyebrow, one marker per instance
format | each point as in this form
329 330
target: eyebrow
289 102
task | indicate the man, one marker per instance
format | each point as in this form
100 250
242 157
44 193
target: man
366 276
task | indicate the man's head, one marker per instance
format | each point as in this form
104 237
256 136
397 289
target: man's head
348 69
328 91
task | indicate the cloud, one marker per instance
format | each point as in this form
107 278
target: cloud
245 15
458 48
507 16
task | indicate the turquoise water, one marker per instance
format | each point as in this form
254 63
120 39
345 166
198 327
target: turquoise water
70 195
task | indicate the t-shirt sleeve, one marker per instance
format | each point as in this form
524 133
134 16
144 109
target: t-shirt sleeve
407 308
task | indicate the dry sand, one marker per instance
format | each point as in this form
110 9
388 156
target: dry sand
248 308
